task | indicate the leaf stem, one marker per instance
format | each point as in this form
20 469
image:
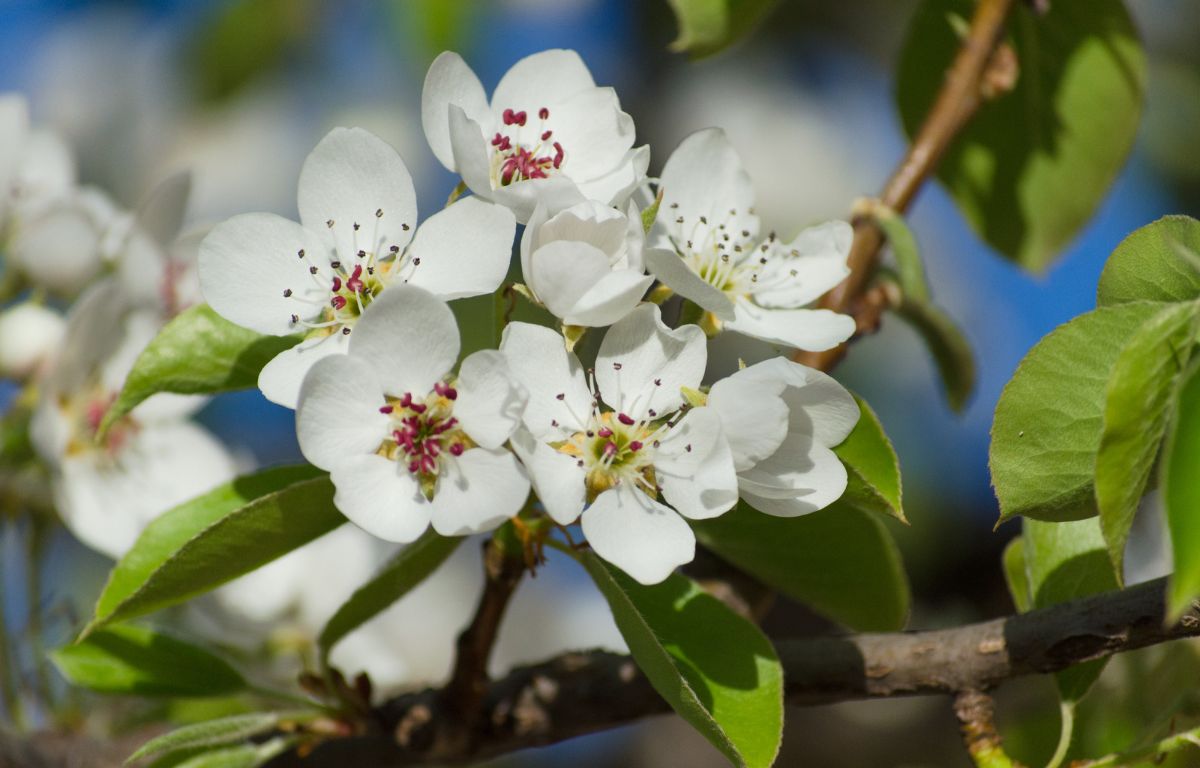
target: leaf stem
1066 730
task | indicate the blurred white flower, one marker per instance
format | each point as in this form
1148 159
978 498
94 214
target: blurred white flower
585 263
708 250
405 443
29 336
357 207
781 420
549 135
617 462
149 462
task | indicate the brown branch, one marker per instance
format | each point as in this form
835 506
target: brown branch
982 69
580 693
976 712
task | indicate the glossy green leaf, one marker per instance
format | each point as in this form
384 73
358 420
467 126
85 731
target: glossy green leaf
216 733
408 568
952 353
197 353
873 471
1067 561
141 661
241 756
1031 167
910 270
840 560
715 668
707 27
215 538
1046 432
1136 411
1016 575
1180 468
1159 262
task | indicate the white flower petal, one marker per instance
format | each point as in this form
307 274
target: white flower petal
617 185
637 534
30 334
557 193
674 272
14 129
381 497
490 402
817 404
46 170
814 330
818 265
594 138
449 81
59 249
411 338
464 249
562 271
558 480
478 491
348 179
541 80
801 477
280 379
642 363
704 177
754 416
612 297
539 360
700 483
246 264
470 152
338 412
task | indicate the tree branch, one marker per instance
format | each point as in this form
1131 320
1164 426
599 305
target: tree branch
580 693
982 69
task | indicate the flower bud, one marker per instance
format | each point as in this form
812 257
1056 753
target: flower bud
29 334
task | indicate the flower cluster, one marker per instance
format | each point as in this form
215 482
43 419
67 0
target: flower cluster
630 439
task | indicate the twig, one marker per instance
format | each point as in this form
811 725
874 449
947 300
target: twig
983 69
975 711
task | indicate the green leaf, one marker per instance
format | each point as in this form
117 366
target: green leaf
141 661
707 27
197 353
1046 432
910 270
1067 561
215 538
408 568
871 466
951 351
243 41
1030 168
215 733
1136 411
1159 262
1016 575
242 756
1181 494
715 668
840 560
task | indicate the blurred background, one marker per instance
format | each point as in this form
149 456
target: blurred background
239 92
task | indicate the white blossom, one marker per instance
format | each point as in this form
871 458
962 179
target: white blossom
549 134
619 449
150 461
357 209
707 248
405 442
29 336
585 263
782 420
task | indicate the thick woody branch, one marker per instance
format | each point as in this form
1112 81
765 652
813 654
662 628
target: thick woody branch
581 693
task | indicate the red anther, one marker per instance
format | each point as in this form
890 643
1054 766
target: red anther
635 446
355 282
546 135
414 467
337 284
456 449
386 409
519 118
626 420
610 449
338 302
497 139
506 144
543 113
558 154
509 117
450 394
604 432
417 407
406 400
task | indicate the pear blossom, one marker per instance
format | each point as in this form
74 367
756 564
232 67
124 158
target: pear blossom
357 211
549 134
585 263
782 420
29 336
707 248
628 456
407 443
149 461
